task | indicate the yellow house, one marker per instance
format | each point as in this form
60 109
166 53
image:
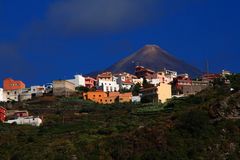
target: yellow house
160 93
164 92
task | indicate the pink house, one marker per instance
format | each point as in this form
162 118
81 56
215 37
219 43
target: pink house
160 77
90 82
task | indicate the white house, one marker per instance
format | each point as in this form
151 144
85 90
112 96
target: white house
78 80
25 94
160 77
124 83
108 86
115 79
37 90
12 95
154 82
172 74
137 80
136 99
2 96
48 87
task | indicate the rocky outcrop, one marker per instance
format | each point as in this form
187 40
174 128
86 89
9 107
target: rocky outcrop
228 108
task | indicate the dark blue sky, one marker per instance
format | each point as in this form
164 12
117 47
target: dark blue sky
42 40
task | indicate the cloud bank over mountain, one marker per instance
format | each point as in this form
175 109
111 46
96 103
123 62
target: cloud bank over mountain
100 15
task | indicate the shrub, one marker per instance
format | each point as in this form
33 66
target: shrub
195 122
151 155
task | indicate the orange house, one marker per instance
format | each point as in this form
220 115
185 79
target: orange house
125 97
108 98
113 94
10 84
100 97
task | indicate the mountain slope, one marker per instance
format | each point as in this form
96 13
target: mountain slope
155 58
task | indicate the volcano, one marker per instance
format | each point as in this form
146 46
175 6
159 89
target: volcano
155 58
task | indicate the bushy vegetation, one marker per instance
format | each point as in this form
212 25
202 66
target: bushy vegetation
234 79
136 89
149 109
82 89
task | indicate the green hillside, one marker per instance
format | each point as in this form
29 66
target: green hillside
201 127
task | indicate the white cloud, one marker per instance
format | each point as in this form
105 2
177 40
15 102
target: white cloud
100 15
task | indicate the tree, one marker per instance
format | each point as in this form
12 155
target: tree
93 89
124 90
146 84
82 89
136 89
219 82
235 81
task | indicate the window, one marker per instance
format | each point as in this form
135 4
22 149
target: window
99 95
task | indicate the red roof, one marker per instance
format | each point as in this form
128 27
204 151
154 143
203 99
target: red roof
211 76
127 82
105 74
90 78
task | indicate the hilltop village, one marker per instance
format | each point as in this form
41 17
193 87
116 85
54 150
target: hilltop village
107 88
148 115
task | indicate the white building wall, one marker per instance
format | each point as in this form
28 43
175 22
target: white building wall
140 81
115 79
172 74
136 99
154 82
12 95
126 86
37 89
78 81
2 96
157 81
121 82
108 86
